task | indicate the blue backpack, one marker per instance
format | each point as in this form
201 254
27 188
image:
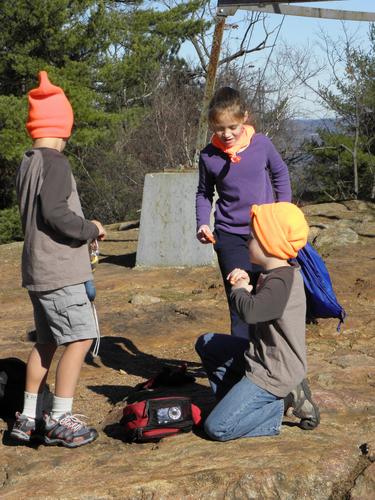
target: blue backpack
321 300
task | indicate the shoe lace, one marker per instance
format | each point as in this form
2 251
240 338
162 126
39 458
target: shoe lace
73 422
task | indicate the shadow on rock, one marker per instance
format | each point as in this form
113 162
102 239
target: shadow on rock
199 394
120 353
116 431
113 393
286 423
118 240
126 260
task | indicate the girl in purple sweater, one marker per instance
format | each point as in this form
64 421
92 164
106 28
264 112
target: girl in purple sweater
245 169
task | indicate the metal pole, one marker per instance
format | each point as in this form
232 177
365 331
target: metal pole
210 85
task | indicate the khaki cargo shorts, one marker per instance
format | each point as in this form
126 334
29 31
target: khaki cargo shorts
63 316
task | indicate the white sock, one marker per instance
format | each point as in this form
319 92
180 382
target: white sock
33 405
29 404
61 406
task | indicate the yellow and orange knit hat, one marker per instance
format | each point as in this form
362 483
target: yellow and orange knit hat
281 228
50 112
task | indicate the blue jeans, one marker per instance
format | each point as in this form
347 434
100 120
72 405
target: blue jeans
232 251
243 408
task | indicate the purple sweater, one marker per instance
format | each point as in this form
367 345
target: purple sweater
260 177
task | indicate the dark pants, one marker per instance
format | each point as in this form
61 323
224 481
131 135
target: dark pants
232 251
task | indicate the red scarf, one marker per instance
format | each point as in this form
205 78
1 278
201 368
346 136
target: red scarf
242 143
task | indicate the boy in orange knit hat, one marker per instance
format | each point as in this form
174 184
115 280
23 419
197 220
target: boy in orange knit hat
256 382
55 266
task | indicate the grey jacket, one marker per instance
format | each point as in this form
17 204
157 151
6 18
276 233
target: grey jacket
276 359
55 252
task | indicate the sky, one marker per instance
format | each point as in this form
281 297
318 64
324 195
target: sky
304 32
300 30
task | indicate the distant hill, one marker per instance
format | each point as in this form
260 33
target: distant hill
307 129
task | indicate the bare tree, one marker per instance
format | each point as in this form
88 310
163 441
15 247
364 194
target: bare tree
165 137
250 34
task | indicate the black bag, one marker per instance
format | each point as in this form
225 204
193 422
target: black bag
12 386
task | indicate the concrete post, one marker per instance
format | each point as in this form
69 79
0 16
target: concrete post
167 227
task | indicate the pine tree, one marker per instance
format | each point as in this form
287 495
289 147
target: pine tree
104 54
344 163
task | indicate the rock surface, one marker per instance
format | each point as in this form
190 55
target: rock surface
335 224
335 461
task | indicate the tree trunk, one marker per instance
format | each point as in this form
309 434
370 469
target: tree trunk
355 149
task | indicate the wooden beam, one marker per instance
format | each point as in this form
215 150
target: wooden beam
230 7
240 3
294 10
274 7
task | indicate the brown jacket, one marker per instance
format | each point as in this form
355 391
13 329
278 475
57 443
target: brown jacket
276 359
55 252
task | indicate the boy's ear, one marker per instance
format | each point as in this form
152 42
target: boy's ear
245 117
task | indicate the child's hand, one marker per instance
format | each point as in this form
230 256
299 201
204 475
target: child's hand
242 284
204 235
239 278
238 274
102 233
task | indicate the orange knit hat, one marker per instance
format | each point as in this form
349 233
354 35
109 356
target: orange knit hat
280 227
50 112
